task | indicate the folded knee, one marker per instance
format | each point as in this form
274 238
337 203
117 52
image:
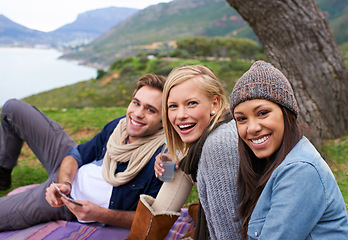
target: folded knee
10 106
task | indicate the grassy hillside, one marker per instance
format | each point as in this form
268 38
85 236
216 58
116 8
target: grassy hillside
167 22
116 86
344 52
336 11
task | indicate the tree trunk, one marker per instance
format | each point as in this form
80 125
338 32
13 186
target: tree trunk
297 39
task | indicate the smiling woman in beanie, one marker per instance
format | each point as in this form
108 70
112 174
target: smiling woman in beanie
286 189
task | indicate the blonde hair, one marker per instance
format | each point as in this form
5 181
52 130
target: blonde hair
208 82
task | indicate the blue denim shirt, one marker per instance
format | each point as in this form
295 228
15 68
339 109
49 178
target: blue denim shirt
301 200
124 197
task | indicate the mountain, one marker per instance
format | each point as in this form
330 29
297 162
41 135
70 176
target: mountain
12 33
87 26
159 25
163 22
91 24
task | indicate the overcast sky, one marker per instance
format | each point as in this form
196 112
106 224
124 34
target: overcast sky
48 15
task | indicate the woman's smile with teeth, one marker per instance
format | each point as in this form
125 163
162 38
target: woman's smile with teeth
185 126
260 140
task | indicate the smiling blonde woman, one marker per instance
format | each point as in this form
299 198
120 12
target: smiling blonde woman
202 139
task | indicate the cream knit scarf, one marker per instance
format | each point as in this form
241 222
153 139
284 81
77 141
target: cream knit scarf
137 153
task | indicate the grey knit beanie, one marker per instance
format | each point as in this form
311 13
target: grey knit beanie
264 81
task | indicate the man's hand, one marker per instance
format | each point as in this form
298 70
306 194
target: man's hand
87 212
53 197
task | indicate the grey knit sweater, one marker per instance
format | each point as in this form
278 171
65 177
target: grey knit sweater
216 181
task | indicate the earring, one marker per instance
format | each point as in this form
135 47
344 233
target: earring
212 112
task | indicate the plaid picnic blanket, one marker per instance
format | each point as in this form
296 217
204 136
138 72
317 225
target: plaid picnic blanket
56 230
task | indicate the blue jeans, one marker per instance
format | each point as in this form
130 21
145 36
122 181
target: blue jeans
50 143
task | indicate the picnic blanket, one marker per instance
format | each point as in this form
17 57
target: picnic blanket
65 230
56 230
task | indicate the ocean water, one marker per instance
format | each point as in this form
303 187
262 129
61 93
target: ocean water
27 71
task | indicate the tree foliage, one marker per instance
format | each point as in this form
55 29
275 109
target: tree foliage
219 47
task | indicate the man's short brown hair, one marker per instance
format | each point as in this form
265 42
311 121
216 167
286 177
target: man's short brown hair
151 80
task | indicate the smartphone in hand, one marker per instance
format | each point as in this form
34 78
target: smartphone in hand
65 196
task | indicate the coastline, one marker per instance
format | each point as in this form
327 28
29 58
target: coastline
84 63
29 71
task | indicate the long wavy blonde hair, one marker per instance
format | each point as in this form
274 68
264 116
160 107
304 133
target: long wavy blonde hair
208 82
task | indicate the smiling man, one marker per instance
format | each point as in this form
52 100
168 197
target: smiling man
105 175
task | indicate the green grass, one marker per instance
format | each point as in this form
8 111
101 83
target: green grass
335 151
83 124
88 119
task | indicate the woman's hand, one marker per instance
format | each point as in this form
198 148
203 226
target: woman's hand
159 166
159 170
